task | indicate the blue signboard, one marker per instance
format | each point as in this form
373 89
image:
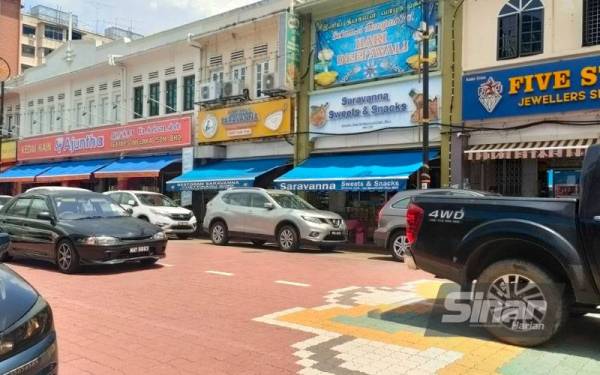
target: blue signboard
568 85
382 184
208 185
370 43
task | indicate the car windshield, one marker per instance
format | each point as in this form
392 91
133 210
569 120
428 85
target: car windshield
156 200
87 206
3 200
291 201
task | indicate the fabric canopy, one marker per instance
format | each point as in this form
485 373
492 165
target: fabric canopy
226 174
373 171
24 172
132 166
72 170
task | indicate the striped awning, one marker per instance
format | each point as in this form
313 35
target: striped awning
573 148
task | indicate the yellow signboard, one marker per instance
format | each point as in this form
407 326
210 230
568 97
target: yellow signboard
257 120
9 151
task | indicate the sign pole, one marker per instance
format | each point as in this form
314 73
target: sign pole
1 120
424 177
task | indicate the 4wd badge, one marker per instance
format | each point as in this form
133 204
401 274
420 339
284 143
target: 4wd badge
490 94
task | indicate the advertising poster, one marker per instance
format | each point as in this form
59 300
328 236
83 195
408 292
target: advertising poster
568 85
257 120
161 134
371 43
292 50
187 165
371 108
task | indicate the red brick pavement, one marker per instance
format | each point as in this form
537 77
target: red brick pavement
178 319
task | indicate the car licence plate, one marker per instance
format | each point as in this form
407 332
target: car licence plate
139 249
336 232
183 224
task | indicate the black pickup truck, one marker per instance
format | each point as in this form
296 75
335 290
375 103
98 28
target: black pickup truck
538 253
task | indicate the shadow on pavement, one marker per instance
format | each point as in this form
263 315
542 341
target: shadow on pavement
95 270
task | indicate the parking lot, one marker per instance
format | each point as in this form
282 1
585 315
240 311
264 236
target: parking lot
245 310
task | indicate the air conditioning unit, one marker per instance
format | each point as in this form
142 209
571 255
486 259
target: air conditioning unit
233 88
269 82
210 91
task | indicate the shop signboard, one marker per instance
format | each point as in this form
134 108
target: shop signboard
257 120
375 184
165 133
561 86
210 185
290 38
370 43
376 107
187 165
9 151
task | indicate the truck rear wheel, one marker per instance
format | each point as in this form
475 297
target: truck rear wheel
530 306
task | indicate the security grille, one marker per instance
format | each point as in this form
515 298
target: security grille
508 177
591 22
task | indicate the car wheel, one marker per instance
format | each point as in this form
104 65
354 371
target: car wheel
218 233
144 218
398 246
259 242
287 238
542 307
148 262
5 256
67 258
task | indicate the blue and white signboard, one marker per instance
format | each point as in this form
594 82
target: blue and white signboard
380 184
370 43
389 105
209 185
568 85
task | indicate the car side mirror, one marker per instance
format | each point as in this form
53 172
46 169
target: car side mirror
129 210
46 216
269 205
131 203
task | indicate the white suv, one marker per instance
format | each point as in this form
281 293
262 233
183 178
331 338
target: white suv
157 209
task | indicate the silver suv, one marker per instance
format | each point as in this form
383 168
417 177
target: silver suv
261 215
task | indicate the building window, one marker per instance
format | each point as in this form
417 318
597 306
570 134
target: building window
51 119
189 89
171 96
216 76
28 51
238 73
78 115
138 102
28 30
104 110
154 99
116 108
591 22
53 32
90 112
520 29
261 69
76 35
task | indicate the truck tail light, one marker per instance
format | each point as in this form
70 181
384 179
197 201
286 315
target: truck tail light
414 219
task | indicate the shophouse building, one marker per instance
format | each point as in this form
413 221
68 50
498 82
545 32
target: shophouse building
530 95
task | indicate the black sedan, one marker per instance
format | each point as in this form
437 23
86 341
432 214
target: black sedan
74 227
27 336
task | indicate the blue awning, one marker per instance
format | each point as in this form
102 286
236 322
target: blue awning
24 172
226 174
72 170
134 166
373 171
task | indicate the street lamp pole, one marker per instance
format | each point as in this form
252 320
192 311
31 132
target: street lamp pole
425 178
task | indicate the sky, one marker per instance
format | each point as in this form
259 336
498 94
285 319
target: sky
144 16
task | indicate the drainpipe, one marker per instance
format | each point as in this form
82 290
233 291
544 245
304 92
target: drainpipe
112 61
